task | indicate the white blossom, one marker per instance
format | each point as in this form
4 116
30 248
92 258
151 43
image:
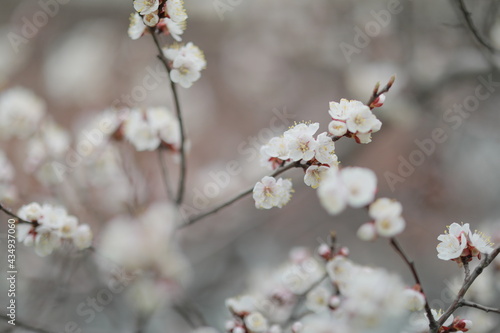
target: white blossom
301 142
390 226
332 193
367 232
270 192
176 11
175 29
187 63
314 174
241 305
151 19
256 322
414 300
317 299
20 113
361 184
337 128
325 150
146 6
82 237
362 120
384 207
136 28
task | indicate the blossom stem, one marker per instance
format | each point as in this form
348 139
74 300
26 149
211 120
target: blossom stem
8 212
173 86
470 24
236 198
466 268
433 325
478 306
466 285
164 174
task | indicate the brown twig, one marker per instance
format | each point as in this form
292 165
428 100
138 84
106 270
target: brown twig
173 86
467 283
164 174
478 306
433 325
8 212
376 92
470 24
236 198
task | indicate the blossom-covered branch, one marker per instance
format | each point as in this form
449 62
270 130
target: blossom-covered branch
8 212
488 258
182 148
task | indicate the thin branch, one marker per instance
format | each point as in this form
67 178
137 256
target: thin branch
164 174
24 325
8 212
173 86
467 283
466 268
478 306
433 326
470 24
236 198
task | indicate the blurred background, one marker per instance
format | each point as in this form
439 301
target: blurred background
265 59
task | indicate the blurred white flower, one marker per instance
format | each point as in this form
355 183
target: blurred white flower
367 232
176 11
6 168
387 216
82 237
241 305
361 185
414 300
270 192
256 322
20 113
137 27
317 299
147 129
146 6
352 185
